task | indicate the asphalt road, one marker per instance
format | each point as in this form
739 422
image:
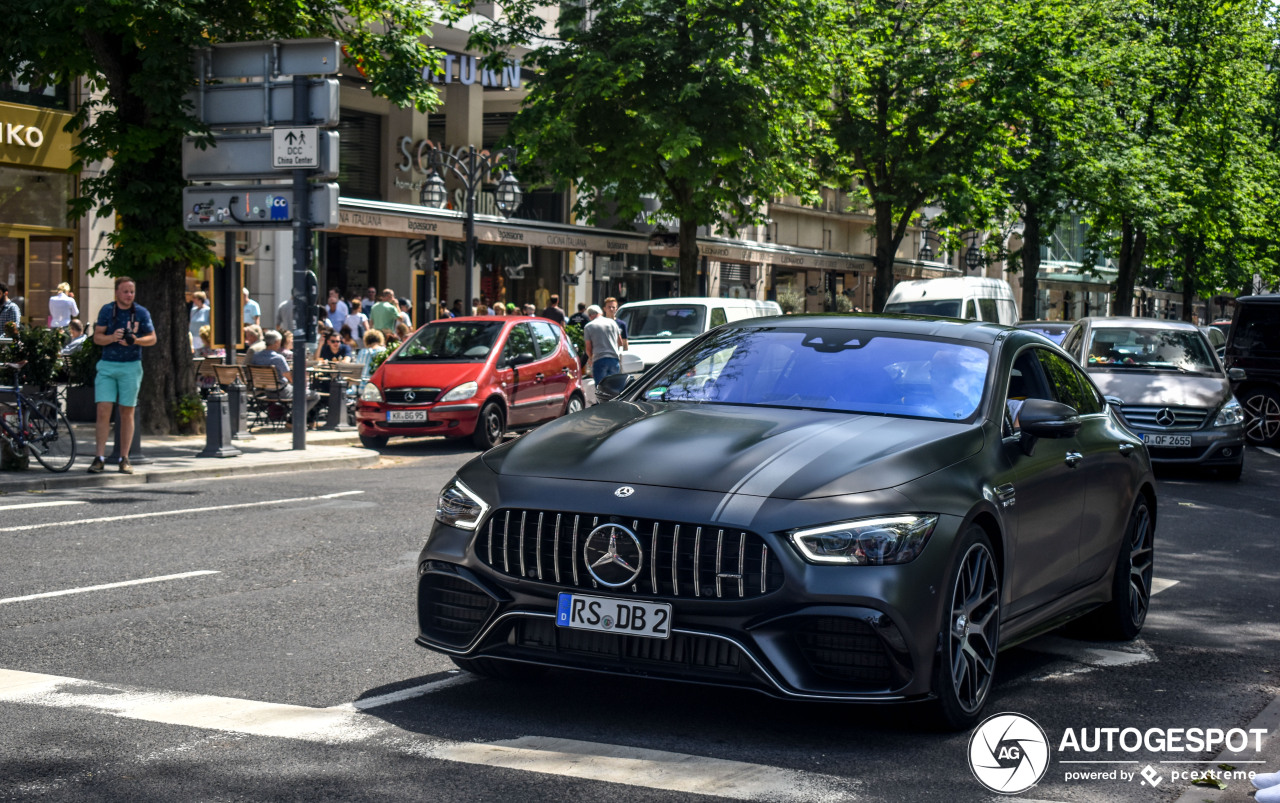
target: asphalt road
277 663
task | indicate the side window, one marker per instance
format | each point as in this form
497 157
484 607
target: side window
1065 382
548 338
1257 329
970 310
989 310
520 341
1071 343
718 317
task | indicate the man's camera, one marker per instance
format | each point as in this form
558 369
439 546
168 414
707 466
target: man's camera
129 337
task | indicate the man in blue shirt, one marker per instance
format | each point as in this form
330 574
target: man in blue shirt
252 312
122 329
271 356
9 312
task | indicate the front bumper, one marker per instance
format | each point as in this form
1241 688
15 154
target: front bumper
453 420
851 633
1218 446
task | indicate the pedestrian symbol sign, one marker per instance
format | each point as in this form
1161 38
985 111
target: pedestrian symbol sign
295 148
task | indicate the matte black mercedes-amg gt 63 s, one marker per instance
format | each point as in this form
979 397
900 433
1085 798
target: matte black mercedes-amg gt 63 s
817 507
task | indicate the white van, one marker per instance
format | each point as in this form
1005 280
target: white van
658 327
971 297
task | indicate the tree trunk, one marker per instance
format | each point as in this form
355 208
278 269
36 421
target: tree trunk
167 374
688 258
1188 282
1133 244
886 251
1030 262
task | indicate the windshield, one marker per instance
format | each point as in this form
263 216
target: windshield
1150 349
844 370
663 320
449 342
943 307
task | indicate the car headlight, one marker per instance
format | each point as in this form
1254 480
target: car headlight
459 506
1230 414
867 542
370 393
464 391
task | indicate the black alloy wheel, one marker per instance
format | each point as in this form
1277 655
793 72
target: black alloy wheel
966 666
490 426
1122 618
1261 417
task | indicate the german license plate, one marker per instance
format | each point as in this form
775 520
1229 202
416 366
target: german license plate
622 616
1166 440
400 416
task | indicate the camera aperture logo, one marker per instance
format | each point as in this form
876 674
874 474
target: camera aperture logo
1008 753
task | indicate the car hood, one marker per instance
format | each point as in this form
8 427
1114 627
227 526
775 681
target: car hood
426 375
1163 388
758 451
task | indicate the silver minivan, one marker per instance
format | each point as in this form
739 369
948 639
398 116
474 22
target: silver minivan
1169 385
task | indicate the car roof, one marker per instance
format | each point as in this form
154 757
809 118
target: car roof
1137 323
708 301
949 328
1268 298
1045 324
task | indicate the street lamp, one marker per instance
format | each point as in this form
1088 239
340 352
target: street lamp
472 168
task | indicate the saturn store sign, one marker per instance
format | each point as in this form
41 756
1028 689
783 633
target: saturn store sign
34 137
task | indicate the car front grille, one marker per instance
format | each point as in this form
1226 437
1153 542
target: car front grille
679 559
420 395
1149 416
451 609
843 649
681 650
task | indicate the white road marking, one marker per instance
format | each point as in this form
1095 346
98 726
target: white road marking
1269 450
653 769
1088 657
26 505
105 586
264 503
1159 584
405 694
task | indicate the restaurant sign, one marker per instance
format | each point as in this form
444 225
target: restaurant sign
33 137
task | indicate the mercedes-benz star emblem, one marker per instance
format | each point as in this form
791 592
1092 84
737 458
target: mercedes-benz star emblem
624 492
613 555
1165 417
409 395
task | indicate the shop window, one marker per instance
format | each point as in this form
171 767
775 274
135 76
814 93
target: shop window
35 198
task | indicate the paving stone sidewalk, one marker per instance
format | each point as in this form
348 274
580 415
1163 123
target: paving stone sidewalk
175 458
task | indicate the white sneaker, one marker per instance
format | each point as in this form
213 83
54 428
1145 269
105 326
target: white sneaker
1269 795
1266 780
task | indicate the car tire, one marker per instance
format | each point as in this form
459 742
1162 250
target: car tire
1261 417
491 424
965 665
1122 618
575 404
497 670
374 441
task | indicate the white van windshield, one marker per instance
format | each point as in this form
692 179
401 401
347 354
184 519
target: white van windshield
663 320
944 307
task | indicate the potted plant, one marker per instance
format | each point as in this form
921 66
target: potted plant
82 370
40 348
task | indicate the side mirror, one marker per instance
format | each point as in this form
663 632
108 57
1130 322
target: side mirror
1041 418
520 359
1236 374
1114 401
611 387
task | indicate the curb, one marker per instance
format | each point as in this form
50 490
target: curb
218 467
1268 719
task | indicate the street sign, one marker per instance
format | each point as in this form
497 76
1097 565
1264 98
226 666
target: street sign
237 157
219 207
269 59
262 105
295 148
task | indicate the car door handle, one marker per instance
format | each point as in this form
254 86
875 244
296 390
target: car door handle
1126 449
1073 459
538 377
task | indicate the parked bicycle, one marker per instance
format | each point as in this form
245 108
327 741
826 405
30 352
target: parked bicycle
36 427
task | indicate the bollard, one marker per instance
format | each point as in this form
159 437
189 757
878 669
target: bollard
218 427
237 410
336 416
135 448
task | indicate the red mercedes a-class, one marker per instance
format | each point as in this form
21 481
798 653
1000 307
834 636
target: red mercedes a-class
472 377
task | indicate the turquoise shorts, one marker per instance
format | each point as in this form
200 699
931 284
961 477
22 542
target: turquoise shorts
118 382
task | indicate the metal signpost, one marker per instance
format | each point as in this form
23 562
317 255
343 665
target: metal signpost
279 118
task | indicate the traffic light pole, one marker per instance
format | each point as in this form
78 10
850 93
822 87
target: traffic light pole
301 215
